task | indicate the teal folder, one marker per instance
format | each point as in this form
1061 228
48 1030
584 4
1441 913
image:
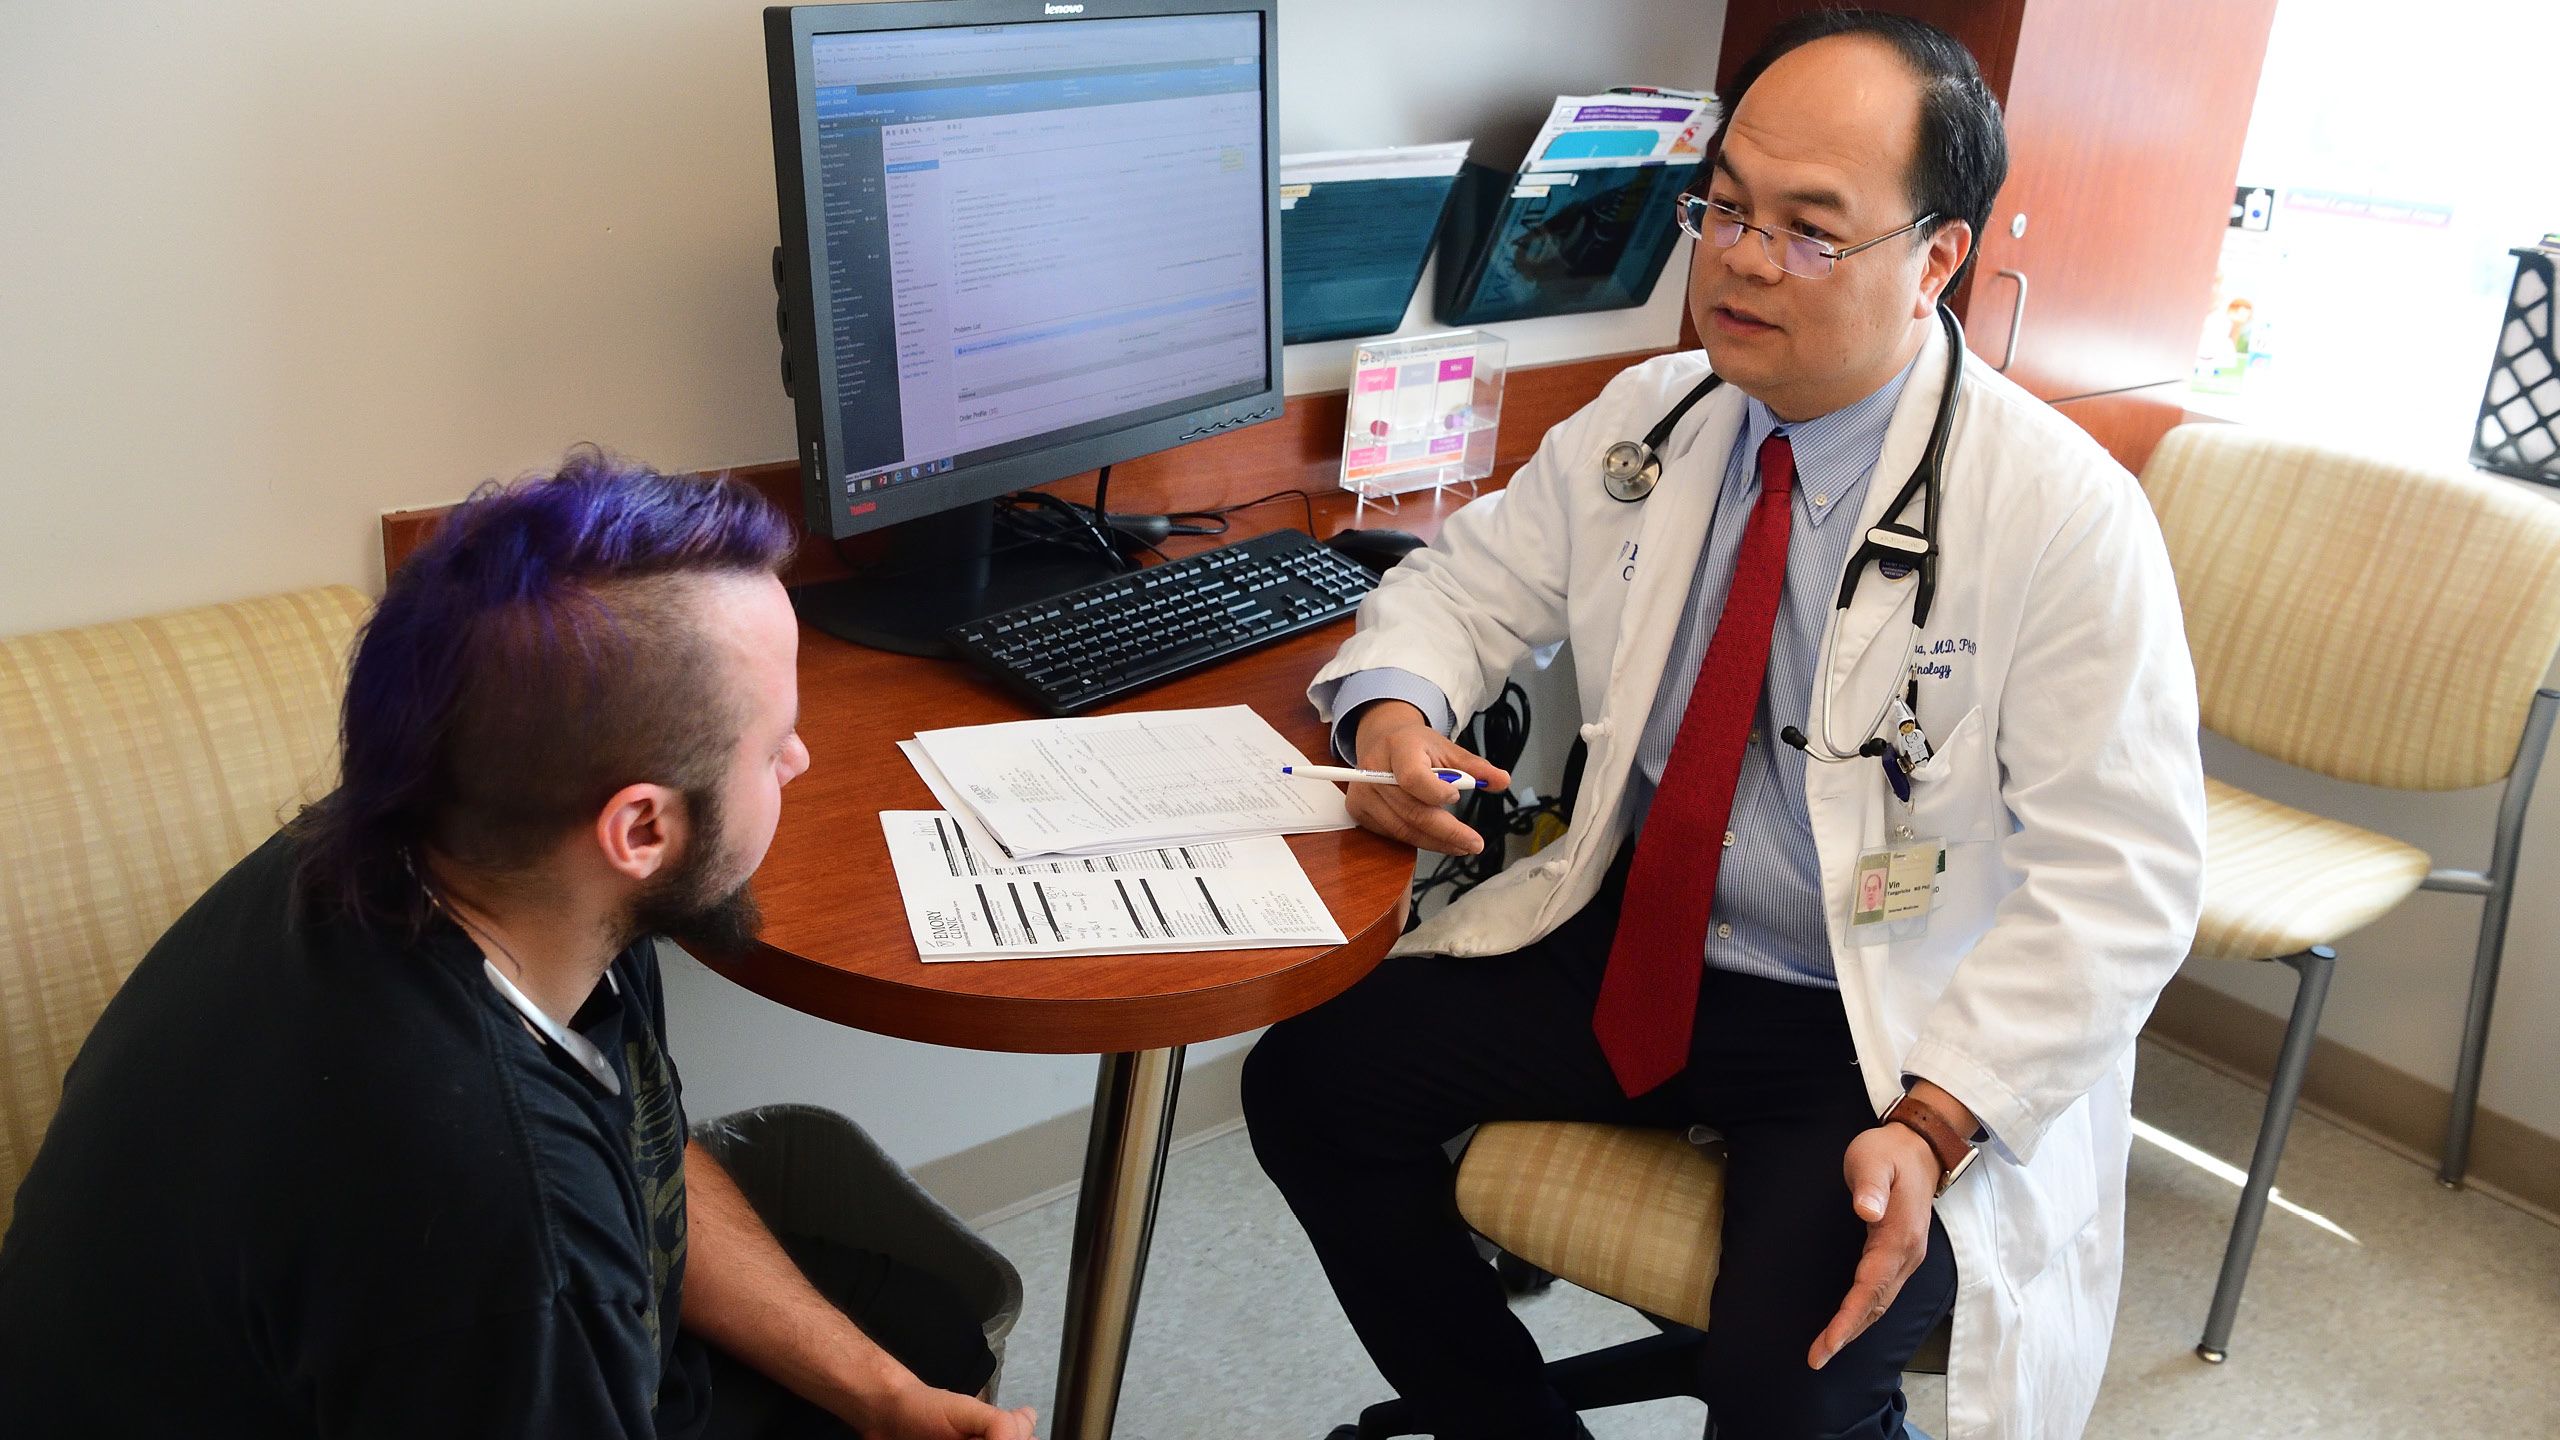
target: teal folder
1351 252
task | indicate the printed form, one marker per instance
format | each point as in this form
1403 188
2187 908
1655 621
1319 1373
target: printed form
1221 895
1104 784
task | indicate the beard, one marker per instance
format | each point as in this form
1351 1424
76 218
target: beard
696 903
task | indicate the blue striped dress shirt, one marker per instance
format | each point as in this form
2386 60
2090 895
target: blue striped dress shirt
1767 918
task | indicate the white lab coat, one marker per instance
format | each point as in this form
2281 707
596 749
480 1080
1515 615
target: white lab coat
2058 692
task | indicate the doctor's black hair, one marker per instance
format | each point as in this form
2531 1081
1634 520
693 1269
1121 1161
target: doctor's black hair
1962 154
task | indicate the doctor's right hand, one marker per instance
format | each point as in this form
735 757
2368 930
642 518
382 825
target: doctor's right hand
1398 738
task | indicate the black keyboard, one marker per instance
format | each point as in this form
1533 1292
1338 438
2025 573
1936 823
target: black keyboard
1091 646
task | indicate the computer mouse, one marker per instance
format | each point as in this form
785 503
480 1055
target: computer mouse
1379 550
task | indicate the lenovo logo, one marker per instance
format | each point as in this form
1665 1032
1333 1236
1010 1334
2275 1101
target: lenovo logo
1062 9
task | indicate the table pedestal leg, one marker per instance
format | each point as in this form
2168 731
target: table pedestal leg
1115 1219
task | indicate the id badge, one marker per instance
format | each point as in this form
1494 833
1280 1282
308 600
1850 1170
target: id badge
1893 891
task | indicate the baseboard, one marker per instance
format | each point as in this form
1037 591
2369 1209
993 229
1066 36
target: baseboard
2388 1106
1029 1168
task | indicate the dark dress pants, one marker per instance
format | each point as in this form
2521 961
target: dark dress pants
1350 1104
905 1311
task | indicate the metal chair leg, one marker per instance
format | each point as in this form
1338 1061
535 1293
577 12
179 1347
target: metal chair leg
2310 992
2496 887
2475 1035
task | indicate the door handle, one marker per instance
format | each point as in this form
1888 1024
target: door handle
2017 318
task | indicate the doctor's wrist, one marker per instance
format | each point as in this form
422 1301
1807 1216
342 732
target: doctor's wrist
1377 722
1945 1106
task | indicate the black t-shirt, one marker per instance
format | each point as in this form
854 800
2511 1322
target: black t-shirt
308 1181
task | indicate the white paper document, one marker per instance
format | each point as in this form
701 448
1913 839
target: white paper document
1392 162
971 827
1101 784
1233 895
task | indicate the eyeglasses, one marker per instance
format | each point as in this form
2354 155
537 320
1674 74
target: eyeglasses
1800 255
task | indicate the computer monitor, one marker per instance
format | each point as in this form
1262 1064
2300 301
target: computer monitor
1020 240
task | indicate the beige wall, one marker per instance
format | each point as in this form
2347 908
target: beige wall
273 268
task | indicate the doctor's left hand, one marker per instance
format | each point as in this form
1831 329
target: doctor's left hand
1893 1182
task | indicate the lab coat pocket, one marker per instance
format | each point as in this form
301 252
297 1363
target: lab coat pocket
1955 793
2045 1215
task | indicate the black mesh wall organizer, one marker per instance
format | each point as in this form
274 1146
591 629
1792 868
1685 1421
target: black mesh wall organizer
2519 429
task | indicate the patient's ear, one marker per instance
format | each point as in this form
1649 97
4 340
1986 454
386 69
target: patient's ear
639 830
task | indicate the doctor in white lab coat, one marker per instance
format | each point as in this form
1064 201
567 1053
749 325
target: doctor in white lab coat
2064 782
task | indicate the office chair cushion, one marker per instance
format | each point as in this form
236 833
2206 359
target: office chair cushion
1631 1214
2375 622
138 762
2279 880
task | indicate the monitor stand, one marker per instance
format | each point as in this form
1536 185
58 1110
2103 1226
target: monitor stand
941 570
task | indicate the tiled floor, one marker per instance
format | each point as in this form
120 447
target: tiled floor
2401 1310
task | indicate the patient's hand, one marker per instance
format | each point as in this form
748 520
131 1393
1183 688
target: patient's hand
917 1411
1893 1181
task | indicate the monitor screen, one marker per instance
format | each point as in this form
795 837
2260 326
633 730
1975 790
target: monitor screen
1026 235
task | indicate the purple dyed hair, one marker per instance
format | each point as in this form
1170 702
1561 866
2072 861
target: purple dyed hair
541 652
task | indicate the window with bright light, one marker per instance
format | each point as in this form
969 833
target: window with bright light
2399 153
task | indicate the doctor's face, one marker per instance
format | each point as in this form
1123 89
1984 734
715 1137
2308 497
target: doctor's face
1821 146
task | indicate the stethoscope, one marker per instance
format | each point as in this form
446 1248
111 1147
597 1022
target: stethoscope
1631 468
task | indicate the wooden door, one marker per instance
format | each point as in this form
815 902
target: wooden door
2125 121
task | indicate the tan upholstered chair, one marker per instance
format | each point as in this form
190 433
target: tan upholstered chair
1633 1214
2375 623
138 762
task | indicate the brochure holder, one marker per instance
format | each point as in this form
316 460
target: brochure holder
1561 244
1423 414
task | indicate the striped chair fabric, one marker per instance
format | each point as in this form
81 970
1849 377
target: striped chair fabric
1635 1215
138 762
2372 621
2278 880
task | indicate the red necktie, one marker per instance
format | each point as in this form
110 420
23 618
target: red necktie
1649 995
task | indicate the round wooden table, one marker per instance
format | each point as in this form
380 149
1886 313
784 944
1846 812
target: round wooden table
836 945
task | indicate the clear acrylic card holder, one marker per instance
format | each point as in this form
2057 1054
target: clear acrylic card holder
1423 414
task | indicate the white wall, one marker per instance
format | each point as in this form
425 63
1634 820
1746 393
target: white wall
276 266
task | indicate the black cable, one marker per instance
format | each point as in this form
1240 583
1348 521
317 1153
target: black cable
1079 528
1500 733
1305 497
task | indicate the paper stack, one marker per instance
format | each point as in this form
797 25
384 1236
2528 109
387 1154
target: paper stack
1107 784
1227 895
